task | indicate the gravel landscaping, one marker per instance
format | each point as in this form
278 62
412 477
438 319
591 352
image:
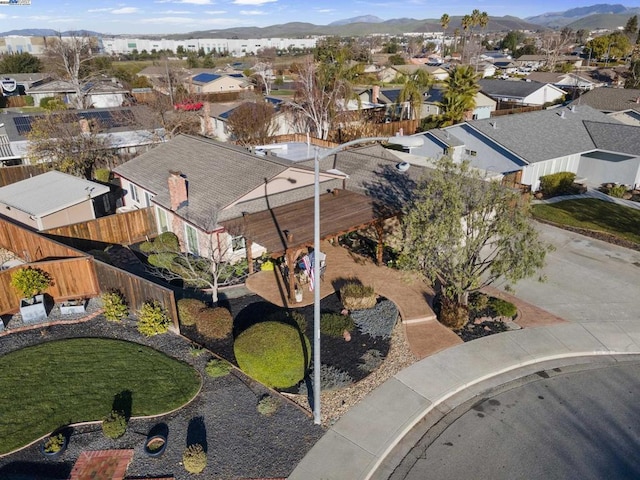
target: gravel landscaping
240 442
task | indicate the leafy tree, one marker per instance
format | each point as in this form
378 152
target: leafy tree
252 123
397 60
459 94
614 45
22 62
463 232
631 28
511 41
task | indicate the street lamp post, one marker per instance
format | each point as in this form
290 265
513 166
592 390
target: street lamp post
396 140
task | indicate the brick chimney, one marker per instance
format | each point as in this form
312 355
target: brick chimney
178 193
375 93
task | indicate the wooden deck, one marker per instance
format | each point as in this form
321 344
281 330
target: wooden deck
410 293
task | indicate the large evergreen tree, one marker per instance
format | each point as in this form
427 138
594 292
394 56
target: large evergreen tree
459 94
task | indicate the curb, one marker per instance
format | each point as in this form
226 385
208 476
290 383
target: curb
375 435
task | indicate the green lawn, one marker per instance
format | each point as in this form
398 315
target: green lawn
53 384
593 214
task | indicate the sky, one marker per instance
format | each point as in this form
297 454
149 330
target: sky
181 16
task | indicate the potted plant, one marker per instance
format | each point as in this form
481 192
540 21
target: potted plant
298 294
71 307
54 445
31 282
155 445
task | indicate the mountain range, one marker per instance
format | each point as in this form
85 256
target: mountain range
590 17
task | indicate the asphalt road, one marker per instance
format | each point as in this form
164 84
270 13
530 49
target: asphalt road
587 280
571 424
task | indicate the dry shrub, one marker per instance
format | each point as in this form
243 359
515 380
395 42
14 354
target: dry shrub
452 314
189 309
214 323
356 296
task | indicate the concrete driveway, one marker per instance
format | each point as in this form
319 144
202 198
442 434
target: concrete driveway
587 280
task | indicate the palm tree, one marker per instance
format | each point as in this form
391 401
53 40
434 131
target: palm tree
412 91
456 34
466 23
484 21
459 94
444 22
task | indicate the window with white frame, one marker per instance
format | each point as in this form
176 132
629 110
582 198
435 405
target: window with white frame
133 190
147 199
191 234
163 220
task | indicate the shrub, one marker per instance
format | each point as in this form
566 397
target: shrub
557 183
217 368
377 321
52 103
114 425
334 324
28 100
331 378
214 323
371 360
152 319
188 310
195 351
273 353
617 191
268 405
267 266
114 306
30 281
356 296
194 458
502 308
102 175
165 242
54 443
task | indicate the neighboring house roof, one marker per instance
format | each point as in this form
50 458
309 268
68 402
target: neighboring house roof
388 96
61 86
511 88
611 99
565 79
218 174
49 192
615 138
204 78
505 64
545 134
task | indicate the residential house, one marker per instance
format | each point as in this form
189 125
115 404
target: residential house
194 184
521 92
434 96
536 62
508 67
578 139
19 83
486 69
128 131
53 199
215 83
100 94
566 81
623 104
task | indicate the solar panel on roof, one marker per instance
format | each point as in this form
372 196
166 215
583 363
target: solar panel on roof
105 119
205 77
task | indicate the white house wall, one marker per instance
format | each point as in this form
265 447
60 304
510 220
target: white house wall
531 173
602 167
543 95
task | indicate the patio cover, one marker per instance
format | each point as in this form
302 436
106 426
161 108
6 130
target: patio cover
341 212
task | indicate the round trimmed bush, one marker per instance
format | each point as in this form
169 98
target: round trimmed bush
273 353
502 308
355 296
188 310
114 306
214 323
153 319
194 458
114 425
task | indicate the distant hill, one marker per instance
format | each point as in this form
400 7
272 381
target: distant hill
48 32
361 19
600 16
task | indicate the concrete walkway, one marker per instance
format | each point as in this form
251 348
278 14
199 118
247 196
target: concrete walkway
373 437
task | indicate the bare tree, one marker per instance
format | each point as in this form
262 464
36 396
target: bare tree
554 44
321 92
208 270
252 123
263 72
71 144
68 59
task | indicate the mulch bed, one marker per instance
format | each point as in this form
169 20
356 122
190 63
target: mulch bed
240 442
336 352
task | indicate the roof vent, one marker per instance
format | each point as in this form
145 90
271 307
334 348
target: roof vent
494 125
573 108
403 166
562 114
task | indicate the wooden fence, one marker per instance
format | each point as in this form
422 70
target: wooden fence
302 137
136 290
31 246
123 229
72 278
9 175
